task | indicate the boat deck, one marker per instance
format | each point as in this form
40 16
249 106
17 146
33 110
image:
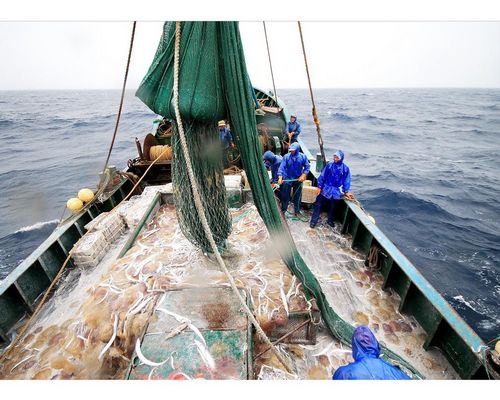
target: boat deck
95 324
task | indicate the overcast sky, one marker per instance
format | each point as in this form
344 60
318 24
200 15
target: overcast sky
92 55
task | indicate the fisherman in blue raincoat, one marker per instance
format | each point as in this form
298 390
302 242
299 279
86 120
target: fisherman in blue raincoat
335 180
291 173
227 141
367 364
273 162
292 130
225 135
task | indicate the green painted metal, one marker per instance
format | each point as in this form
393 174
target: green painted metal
33 282
230 361
216 313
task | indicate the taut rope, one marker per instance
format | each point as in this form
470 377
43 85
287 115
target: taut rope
121 100
270 64
315 116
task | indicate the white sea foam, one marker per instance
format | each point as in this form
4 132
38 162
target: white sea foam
473 305
38 225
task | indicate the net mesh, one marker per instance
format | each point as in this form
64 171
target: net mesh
205 153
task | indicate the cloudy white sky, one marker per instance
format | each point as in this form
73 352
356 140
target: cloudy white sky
92 55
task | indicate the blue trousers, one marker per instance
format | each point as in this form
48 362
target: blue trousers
320 201
286 189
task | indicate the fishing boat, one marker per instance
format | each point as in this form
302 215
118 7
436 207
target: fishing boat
120 290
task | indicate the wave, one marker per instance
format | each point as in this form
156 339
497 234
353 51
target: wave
342 117
4 123
338 116
38 225
370 117
471 304
464 117
15 247
477 131
492 107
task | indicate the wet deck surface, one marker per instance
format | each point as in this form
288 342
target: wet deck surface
355 292
89 329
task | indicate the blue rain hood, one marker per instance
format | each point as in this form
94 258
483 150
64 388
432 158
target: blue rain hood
367 364
269 156
273 162
364 344
339 154
294 146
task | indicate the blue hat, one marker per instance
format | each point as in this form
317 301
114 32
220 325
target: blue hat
268 156
294 147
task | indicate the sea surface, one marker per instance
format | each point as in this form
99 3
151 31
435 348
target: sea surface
425 164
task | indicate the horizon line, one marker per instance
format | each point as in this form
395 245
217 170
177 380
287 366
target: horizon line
283 88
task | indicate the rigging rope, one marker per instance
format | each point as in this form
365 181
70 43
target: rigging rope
121 100
270 64
197 198
315 116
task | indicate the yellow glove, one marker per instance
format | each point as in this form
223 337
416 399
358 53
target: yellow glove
280 180
302 178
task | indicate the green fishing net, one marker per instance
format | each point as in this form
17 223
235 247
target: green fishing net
201 105
214 84
205 153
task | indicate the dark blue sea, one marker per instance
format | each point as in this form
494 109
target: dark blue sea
425 164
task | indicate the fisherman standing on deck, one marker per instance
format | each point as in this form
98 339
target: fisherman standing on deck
292 130
291 173
227 141
367 364
273 162
335 180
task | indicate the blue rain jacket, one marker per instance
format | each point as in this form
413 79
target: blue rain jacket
367 364
273 162
333 177
225 137
292 127
294 165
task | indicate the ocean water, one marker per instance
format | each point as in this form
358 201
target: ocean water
424 164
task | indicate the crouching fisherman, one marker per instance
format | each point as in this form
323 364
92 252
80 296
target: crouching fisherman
335 180
273 162
292 130
291 173
367 364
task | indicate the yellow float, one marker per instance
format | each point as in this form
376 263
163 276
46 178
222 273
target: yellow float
74 204
86 195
